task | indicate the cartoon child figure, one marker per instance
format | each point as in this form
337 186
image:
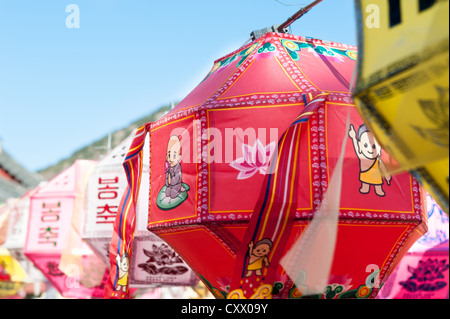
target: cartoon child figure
4 275
173 169
372 168
258 255
123 264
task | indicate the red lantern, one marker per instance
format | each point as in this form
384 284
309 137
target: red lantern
240 167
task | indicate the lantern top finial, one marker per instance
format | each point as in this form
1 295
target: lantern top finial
284 27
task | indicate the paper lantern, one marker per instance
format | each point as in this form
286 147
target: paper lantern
239 169
154 262
53 244
423 272
19 211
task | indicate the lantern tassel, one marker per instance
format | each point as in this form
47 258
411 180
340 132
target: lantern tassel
308 263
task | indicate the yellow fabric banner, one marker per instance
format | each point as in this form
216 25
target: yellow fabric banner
403 85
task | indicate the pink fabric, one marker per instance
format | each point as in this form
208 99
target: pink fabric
423 273
50 223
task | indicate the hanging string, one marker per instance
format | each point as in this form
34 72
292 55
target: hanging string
247 41
286 26
298 15
290 5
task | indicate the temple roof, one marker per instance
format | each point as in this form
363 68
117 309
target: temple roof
15 180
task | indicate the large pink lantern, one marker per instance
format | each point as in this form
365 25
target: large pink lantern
424 271
54 210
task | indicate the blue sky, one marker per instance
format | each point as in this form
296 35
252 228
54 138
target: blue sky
62 88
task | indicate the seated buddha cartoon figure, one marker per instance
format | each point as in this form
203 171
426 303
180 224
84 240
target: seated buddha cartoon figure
174 192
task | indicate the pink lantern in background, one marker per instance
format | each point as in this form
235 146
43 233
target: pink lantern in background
51 234
424 271
16 233
4 215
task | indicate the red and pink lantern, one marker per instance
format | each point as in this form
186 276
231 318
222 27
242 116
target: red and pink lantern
240 168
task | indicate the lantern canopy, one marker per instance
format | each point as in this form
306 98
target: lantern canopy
240 167
154 262
50 233
402 90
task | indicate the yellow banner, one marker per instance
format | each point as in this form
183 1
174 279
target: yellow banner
394 35
402 90
12 275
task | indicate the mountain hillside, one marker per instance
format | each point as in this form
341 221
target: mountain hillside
98 149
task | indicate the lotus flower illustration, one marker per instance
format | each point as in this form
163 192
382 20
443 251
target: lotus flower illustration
256 158
427 276
437 112
162 256
53 269
428 270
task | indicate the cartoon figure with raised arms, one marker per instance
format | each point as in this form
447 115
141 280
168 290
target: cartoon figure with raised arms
372 168
174 192
258 256
123 264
